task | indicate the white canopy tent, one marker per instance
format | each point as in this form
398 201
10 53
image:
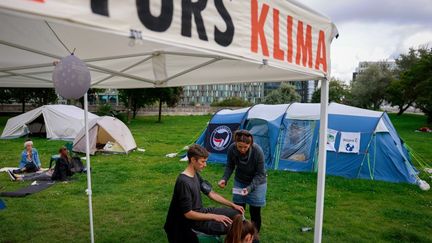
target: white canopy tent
139 44
57 121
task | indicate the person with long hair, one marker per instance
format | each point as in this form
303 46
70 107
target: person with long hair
61 171
250 181
241 231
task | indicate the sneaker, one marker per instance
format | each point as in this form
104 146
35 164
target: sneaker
11 175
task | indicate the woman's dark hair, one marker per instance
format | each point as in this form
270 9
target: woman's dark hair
197 151
28 139
243 136
239 229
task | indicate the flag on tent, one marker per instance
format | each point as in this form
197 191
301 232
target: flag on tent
331 139
349 142
219 137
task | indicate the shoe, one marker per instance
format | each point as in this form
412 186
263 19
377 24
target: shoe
11 175
17 171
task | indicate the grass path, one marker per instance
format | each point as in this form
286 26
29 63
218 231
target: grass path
131 195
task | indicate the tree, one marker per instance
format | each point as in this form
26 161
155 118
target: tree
338 92
44 96
134 99
369 89
169 96
421 74
403 90
36 96
232 102
284 94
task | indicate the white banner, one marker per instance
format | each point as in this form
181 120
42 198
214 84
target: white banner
349 142
331 139
282 34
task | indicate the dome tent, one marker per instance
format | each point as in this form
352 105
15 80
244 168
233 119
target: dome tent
288 135
56 121
106 134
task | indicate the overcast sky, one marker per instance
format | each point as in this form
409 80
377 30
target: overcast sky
374 30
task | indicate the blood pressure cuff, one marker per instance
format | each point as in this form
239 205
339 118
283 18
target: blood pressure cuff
206 187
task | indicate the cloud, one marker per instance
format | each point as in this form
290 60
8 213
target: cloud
389 11
374 30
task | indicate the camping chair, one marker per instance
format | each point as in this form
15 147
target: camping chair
204 238
55 157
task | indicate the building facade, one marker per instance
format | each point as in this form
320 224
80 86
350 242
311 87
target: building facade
391 65
207 94
253 92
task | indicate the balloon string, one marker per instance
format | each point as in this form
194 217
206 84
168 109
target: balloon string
58 38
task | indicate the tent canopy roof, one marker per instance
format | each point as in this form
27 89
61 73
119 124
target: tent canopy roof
33 34
300 111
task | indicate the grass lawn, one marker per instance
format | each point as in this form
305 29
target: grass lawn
131 194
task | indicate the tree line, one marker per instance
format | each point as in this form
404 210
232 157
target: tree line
408 85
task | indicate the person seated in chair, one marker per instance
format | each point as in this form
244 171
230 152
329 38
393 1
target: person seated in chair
61 171
30 161
186 212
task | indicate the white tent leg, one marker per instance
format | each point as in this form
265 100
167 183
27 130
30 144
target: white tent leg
89 189
319 211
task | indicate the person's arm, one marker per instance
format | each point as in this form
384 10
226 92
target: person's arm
23 161
36 158
197 216
259 173
229 168
220 199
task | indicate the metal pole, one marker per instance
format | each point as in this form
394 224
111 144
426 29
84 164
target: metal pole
319 211
89 189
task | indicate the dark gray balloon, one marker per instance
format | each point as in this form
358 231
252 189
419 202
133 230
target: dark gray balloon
71 78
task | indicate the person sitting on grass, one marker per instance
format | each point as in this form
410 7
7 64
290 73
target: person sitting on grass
61 171
29 159
241 231
186 212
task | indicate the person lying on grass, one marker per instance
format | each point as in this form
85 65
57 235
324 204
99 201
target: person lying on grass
30 161
186 211
61 172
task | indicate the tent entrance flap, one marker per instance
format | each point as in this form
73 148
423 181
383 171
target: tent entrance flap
260 131
106 143
298 139
37 127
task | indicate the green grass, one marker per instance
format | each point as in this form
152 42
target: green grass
131 194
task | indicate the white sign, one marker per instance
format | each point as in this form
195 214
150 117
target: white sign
331 139
349 142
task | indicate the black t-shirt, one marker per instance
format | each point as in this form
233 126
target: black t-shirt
186 197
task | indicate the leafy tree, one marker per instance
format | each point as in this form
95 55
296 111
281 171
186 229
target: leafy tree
369 89
44 96
286 93
421 74
169 96
134 99
338 92
232 102
403 90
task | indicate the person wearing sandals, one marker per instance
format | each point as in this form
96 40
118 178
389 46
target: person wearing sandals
30 161
247 159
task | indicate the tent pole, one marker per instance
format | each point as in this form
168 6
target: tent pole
319 210
89 189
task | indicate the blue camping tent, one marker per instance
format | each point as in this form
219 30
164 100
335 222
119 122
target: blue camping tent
361 143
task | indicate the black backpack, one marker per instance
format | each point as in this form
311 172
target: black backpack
76 165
